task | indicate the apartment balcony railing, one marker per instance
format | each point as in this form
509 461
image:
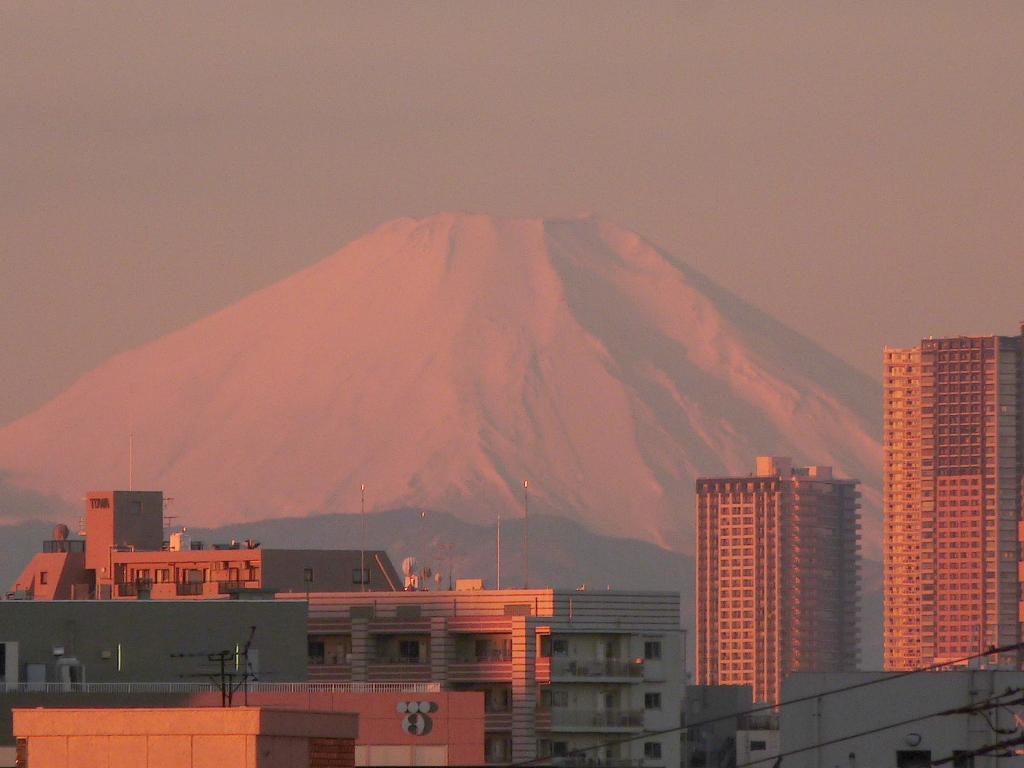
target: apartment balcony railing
481 658
585 760
189 588
131 588
596 719
608 668
399 660
201 687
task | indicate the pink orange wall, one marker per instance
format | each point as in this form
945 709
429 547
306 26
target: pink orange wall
457 721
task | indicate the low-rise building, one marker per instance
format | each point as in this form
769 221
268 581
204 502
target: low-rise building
125 555
868 719
239 737
167 654
118 641
566 675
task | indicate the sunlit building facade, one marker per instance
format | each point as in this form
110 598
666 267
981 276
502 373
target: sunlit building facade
952 499
777 575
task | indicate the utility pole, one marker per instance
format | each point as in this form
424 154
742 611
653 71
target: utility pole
526 534
362 538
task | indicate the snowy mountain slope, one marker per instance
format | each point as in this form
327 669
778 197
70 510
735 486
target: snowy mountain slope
441 362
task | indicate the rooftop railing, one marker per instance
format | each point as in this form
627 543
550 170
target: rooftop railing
596 718
610 668
202 687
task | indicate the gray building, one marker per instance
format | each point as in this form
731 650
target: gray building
103 652
901 722
144 640
712 716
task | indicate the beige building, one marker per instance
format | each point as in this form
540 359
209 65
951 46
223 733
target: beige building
952 499
183 737
777 575
566 675
125 555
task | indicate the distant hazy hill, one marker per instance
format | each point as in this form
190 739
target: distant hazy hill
441 362
562 554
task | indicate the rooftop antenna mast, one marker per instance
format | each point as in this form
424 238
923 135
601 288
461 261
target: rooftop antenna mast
168 518
424 572
362 538
499 551
526 534
221 676
131 437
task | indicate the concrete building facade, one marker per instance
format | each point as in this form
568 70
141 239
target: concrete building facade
125 555
952 505
777 575
874 719
566 675
239 737
111 641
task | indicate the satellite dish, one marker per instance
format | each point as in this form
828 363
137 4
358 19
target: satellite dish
409 566
437 577
61 532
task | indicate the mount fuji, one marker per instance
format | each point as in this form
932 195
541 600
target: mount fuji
441 363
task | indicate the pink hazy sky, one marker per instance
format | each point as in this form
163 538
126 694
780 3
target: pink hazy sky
854 169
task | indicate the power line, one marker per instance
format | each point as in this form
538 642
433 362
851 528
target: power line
810 697
968 709
1016 741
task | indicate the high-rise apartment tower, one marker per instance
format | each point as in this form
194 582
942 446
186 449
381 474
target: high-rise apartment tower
777 575
952 499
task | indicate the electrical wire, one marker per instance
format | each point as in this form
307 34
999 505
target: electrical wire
769 707
981 706
986 750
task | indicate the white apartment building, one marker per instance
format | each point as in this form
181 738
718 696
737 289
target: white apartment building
569 677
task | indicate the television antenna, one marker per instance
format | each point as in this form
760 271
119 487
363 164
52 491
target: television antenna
227 681
446 551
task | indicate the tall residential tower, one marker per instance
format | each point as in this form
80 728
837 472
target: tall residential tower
777 575
952 499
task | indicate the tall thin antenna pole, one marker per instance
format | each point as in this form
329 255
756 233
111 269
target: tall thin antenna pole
423 550
499 550
526 534
131 437
362 538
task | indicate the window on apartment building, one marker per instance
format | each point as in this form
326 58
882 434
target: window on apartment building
559 748
498 748
409 650
758 745
962 759
652 700
652 749
559 647
365 576
652 649
316 651
44 577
